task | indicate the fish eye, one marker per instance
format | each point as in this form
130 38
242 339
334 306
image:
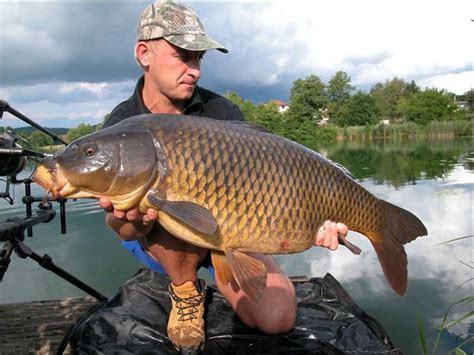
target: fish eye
90 150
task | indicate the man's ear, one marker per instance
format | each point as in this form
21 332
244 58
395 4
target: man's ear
142 51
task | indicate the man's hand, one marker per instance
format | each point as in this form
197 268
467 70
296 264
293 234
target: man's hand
130 224
329 233
131 216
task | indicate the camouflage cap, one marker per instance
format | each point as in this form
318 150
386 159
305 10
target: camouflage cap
178 24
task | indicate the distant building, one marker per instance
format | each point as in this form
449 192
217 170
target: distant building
324 117
282 105
462 105
461 101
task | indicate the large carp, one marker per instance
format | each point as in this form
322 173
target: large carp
231 188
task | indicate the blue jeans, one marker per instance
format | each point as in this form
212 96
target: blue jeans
134 247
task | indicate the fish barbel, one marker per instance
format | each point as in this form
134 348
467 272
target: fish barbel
231 188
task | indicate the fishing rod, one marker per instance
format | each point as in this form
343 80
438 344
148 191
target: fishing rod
5 107
13 161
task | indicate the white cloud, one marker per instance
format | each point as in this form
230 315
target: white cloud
96 88
64 104
458 83
373 41
272 44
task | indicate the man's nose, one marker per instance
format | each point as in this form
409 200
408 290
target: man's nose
194 69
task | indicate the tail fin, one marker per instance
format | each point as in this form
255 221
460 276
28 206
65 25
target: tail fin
402 227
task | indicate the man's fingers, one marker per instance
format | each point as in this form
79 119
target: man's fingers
328 235
331 234
119 214
334 242
106 204
320 236
133 215
129 216
342 229
150 216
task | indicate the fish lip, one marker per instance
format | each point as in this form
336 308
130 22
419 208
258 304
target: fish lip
66 190
50 178
45 176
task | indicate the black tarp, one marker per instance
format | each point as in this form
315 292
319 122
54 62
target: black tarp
134 322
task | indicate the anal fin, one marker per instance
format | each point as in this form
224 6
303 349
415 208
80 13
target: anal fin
250 273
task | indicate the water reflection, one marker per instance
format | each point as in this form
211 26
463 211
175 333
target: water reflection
399 163
433 179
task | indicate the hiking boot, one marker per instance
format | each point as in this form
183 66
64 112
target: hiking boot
186 322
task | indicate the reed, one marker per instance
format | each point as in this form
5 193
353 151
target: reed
410 130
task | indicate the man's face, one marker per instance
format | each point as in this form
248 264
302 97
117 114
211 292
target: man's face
173 71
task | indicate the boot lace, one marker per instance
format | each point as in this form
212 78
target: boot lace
187 307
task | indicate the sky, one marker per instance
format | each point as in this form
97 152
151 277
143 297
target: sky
63 63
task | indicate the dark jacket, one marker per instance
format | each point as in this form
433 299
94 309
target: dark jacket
203 103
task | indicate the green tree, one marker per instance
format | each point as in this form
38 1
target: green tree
388 95
430 105
80 131
268 116
23 134
264 114
359 110
339 91
99 126
307 99
247 107
38 139
6 129
411 88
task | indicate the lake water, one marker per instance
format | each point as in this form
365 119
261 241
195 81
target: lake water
432 179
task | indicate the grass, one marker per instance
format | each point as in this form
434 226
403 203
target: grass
445 323
433 130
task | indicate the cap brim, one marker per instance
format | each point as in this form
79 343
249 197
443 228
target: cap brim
195 43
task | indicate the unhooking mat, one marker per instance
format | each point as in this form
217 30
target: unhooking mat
134 322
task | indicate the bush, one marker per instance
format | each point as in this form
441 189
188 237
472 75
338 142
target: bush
327 133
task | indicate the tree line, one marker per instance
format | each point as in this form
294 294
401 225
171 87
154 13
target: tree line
37 139
337 104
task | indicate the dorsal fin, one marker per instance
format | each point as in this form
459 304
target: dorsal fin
251 125
338 165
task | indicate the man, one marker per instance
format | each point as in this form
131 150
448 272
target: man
171 43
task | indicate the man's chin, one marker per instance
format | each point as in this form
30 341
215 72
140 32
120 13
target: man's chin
187 88
184 95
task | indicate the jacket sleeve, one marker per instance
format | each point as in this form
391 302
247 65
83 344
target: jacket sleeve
235 113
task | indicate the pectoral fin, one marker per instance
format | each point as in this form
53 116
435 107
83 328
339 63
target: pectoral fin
197 217
221 267
250 273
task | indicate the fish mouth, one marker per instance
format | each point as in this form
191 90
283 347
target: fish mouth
51 179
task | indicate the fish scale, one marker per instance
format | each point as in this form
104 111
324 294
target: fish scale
231 188
278 191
